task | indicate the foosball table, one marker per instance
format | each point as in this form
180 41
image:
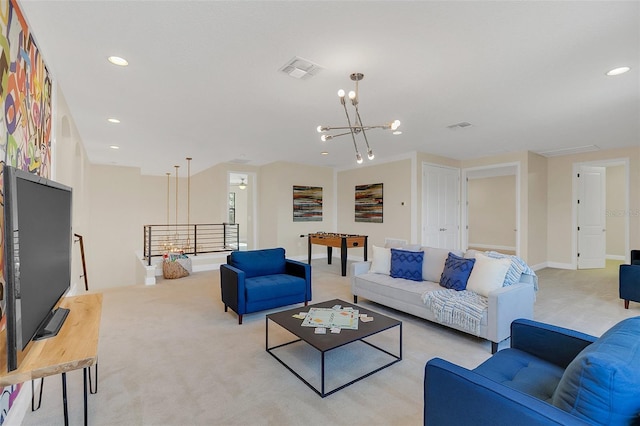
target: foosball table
341 241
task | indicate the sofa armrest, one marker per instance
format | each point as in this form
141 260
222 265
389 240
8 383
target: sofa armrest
455 396
507 304
232 288
359 268
551 343
302 270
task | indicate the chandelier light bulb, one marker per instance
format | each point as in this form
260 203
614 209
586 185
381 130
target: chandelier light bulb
370 154
319 129
325 138
395 124
352 95
341 93
358 158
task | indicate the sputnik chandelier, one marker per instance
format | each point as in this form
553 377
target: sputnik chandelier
357 127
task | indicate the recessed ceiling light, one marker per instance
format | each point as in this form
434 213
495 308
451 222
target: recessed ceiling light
397 132
324 153
114 147
618 71
113 120
116 60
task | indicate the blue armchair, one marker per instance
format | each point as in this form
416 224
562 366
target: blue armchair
629 283
257 280
549 376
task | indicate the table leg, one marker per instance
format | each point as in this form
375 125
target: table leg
309 250
322 376
84 377
64 399
329 254
365 248
343 256
266 334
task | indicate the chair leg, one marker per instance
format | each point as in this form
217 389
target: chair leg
494 347
239 319
225 308
306 303
626 304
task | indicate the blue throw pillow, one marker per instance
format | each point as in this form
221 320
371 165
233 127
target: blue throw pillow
406 264
456 272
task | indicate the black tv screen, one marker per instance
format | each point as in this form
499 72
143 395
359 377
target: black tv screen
38 243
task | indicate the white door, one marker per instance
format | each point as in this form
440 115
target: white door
592 234
440 204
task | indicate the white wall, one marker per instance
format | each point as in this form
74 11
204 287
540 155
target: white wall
397 179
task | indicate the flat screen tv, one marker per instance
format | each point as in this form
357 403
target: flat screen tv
37 258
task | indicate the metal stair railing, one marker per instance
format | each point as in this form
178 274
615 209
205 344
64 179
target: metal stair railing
191 239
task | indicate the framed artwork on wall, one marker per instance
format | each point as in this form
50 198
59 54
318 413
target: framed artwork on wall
368 203
307 203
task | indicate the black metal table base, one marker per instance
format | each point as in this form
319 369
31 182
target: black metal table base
321 392
86 371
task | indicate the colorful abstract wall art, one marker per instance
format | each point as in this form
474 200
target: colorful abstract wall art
25 118
307 203
25 92
369 203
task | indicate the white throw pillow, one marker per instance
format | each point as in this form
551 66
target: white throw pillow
487 274
381 261
433 263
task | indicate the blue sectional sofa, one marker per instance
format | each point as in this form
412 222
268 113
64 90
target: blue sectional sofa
257 280
549 376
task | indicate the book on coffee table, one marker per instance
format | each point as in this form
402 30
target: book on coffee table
329 317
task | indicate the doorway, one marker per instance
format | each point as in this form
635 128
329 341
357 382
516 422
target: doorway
491 208
440 206
240 196
601 207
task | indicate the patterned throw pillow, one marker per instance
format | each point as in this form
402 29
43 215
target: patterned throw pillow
406 264
456 272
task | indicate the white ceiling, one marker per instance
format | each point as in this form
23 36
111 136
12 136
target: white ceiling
204 80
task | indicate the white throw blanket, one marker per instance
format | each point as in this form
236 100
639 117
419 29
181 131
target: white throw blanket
461 308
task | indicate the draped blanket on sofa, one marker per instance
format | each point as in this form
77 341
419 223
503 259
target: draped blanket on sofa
463 309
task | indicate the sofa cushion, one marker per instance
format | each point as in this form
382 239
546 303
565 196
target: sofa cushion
406 264
406 291
601 383
522 371
274 286
381 262
433 264
487 274
259 262
456 272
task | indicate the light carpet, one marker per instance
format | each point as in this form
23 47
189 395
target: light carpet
170 355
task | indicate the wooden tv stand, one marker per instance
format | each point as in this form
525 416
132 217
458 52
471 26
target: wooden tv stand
75 347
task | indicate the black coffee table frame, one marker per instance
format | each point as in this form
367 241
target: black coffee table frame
327 342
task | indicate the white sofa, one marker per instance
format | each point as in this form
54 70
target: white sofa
503 305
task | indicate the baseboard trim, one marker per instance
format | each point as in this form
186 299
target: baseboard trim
558 265
615 257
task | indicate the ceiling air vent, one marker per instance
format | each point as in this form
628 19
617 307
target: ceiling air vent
301 69
460 125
